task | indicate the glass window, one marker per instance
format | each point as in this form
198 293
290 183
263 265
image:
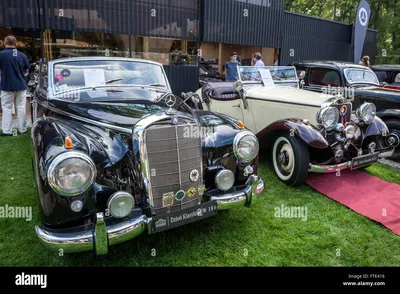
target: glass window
71 75
43 80
355 75
76 44
325 77
165 50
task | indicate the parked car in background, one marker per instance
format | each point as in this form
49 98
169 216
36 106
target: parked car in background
358 82
116 154
303 130
207 73
388 75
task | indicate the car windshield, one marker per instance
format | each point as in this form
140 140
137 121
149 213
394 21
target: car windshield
269 75
360 76
92 73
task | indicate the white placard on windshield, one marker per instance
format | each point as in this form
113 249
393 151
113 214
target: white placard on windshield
94 77
266 77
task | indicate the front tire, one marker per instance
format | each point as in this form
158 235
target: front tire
394 127
290 159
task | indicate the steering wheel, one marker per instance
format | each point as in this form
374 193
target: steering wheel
142 80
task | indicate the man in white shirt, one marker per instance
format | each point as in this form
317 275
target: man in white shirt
257 59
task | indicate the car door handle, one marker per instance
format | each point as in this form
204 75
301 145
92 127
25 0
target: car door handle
236 105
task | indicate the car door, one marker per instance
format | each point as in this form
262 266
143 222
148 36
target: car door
228 104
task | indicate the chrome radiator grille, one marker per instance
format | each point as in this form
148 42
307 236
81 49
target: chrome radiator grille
173 153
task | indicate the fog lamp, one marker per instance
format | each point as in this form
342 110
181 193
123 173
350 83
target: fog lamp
76 206
224 179
120 204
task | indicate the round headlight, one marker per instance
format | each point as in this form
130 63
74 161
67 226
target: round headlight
238 85
328 117
245 146
367 112
224 179
120 204
71 173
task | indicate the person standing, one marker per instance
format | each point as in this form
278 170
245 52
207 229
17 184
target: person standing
231 70
257 59
14 66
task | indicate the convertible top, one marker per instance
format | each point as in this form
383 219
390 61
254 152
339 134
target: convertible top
220 90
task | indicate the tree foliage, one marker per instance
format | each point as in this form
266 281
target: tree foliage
385 18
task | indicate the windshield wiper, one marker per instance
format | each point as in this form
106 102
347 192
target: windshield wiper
156 85
107 82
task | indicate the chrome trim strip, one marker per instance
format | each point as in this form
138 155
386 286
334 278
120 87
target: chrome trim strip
179 161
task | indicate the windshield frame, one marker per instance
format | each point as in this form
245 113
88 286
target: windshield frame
346 70
271 69
53 94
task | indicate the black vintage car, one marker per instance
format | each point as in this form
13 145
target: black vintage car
388 75
357 82
115 154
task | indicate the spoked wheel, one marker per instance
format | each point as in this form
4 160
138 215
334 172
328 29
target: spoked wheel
290 159
394 128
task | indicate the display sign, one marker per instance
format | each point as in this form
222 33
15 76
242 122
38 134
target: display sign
360 30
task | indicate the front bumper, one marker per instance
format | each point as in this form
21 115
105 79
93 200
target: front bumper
104 236
244 197
316 168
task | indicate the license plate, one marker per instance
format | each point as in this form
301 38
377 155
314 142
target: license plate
179 218
363 160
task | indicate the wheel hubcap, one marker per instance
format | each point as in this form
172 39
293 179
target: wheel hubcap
285 158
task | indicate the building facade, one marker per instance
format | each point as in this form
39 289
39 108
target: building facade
177 33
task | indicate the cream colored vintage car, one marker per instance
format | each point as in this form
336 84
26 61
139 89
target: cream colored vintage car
303 131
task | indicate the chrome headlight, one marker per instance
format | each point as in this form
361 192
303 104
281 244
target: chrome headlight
245 146
224 179
120 204
328 117
71 173
366 112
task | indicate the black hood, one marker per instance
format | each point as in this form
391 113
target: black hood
120 108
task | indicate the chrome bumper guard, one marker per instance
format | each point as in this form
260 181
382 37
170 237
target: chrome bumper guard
315 168
102 236
245 197
98 240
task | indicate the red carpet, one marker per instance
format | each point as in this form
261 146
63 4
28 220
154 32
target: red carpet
365 194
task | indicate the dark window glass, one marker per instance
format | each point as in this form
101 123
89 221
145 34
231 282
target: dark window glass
325 77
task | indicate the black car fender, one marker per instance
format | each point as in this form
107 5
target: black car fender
389 114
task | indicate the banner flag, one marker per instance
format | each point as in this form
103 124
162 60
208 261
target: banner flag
360 30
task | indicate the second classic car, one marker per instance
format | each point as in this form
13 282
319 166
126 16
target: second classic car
304 131
388 75
116 154
357 82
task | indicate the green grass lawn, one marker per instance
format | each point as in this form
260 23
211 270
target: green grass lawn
332 235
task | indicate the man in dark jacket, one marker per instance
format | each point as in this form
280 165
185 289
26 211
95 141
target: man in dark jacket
14 66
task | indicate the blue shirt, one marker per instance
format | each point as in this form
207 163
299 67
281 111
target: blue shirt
13 66
231 71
